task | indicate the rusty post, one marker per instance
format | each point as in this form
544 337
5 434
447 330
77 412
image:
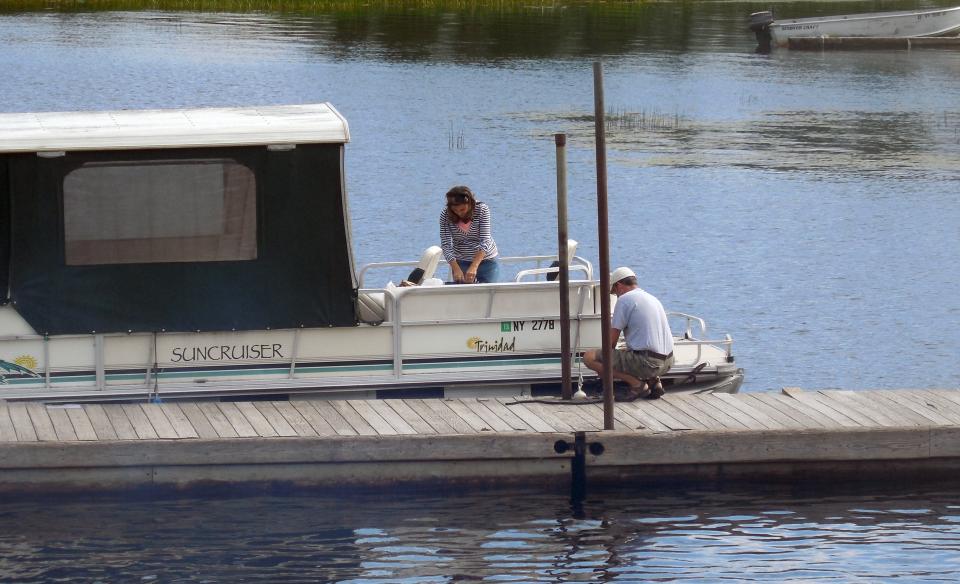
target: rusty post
566 392
603 236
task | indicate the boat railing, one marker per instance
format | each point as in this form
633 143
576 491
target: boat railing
690 320
580 289
540 262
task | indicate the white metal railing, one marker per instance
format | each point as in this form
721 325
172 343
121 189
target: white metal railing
577 264
393 306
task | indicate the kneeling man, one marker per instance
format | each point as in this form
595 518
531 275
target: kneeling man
649 350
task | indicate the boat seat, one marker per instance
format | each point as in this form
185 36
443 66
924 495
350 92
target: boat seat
427 265
552 272
372 306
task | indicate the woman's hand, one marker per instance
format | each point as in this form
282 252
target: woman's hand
471 276
458 276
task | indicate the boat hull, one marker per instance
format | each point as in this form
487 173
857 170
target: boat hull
905 24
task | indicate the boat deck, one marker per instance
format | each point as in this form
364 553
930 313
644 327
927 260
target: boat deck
374 442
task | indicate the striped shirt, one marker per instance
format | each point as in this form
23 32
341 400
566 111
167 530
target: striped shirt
462 245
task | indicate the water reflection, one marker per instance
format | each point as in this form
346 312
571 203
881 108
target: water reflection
453 31
684 533
840 144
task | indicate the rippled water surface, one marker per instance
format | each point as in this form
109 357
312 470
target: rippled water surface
805 202
663 534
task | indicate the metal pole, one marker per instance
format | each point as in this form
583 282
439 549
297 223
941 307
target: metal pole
566 391
603 236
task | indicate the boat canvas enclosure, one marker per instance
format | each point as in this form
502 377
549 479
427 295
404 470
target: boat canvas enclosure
176 220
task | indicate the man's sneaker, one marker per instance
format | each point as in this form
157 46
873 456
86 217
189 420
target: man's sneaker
656 388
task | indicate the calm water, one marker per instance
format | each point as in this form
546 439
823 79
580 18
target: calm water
665 534
806 203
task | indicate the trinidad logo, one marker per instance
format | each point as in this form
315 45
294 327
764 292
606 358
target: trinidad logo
501 345
22 365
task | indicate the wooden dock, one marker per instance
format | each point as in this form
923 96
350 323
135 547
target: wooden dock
784 434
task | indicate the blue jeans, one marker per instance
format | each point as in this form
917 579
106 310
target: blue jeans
487 272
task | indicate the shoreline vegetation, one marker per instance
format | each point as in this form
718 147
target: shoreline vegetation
293 5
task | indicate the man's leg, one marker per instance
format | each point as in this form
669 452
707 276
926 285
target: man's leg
592 360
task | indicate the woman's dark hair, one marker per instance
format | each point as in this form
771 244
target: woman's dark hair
456 196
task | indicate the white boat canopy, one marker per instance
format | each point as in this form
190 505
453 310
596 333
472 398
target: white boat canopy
172 128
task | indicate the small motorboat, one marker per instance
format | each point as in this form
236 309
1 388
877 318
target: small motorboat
195 253
900 24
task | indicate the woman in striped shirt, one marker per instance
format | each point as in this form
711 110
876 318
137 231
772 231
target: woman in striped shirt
466 240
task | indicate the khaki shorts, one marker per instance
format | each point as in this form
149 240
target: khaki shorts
640 366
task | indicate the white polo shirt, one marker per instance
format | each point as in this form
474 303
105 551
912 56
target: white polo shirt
643 321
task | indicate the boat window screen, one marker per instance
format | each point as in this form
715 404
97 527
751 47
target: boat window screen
159 211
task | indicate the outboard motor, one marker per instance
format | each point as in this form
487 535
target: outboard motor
760 25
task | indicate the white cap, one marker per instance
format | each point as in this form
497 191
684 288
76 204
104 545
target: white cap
621 273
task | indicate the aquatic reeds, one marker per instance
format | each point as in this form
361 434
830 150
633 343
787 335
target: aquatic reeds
643 120
455 139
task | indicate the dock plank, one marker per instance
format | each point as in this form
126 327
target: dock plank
493 421
319 424
257 421
833 413
790 400
276 420
912 405
844 408
584 415
545 413
796 410
218 420
944 407
897 414
784 420
343 418
411 416
649 421
506 414
100 422
728 409
159 421
435 420
22 424
7 432
241 425
371 416
179 420
647 408
592 415
879 415
695 406
746 406
568 413
449 417
81 423
667 412
199 421
62 424
121 423
530 419
391 417
625 420
295 419
703 410
41 422
947 397
467 415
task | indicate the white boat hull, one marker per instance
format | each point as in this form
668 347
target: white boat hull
500 339
913 23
